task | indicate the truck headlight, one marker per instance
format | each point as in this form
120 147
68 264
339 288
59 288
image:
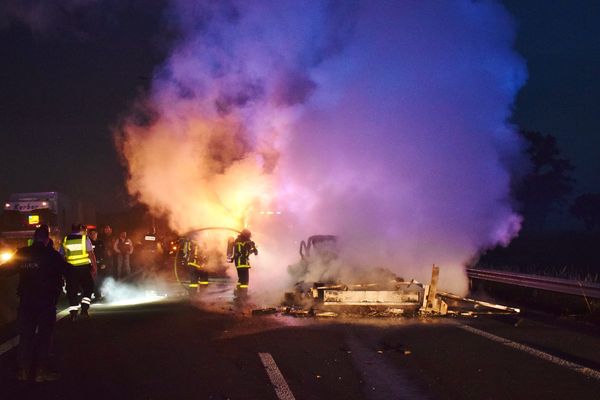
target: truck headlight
5 256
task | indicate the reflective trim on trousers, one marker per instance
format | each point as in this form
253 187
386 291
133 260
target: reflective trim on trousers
243 286
203 282
78 262
86 300
193 285
73 308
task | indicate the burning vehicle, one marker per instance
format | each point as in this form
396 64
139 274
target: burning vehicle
320 290
387 295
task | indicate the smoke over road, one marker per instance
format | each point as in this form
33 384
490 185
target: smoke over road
382 122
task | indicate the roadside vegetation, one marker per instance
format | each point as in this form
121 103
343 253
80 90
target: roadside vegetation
545 194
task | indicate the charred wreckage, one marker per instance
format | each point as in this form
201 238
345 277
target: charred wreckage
390 296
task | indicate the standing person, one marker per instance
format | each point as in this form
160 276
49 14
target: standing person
78 251
123 247
100 253
41 270
196 265
108 241
242 248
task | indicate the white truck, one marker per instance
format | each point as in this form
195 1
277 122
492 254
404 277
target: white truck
23 212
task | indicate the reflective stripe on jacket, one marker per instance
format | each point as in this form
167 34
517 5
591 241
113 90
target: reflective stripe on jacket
76 250
241 253
194 260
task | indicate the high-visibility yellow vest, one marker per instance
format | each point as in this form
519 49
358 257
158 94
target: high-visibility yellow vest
76 250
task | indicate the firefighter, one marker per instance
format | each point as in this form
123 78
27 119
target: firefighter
196 264
242 248
41 270
79 252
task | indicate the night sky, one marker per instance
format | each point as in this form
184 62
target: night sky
560 41
62 91
65 84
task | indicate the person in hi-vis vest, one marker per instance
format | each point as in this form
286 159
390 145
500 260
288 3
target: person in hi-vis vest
79 252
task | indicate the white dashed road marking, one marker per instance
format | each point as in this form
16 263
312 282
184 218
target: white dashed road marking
536 353
277 380
9 345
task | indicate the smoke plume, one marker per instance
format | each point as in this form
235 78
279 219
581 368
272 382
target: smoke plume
384 123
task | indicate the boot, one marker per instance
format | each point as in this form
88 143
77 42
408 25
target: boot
73 315
84 314
45 375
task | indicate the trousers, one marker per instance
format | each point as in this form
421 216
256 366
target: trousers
35 326
197 276
123 267
80 279
243 277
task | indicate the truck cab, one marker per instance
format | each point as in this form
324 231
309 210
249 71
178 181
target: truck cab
22 213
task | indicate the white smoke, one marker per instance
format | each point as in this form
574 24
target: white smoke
382 122
117 293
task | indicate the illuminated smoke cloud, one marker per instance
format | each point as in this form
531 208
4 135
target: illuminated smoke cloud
381 122
122 294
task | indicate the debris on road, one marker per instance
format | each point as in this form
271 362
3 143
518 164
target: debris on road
297 312
392 298
264 311
326 314
479 303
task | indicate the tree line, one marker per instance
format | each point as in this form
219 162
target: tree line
546 188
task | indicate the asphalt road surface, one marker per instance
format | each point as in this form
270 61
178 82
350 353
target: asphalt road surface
207 347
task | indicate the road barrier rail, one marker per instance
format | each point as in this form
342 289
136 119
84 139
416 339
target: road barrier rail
566 286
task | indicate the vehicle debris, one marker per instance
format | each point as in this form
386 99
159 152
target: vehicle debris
326 314
389 297
298 312
264 311
393 298
477 303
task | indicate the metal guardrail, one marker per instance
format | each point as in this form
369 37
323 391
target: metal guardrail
566 286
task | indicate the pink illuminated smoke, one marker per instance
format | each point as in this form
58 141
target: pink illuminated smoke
383 122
